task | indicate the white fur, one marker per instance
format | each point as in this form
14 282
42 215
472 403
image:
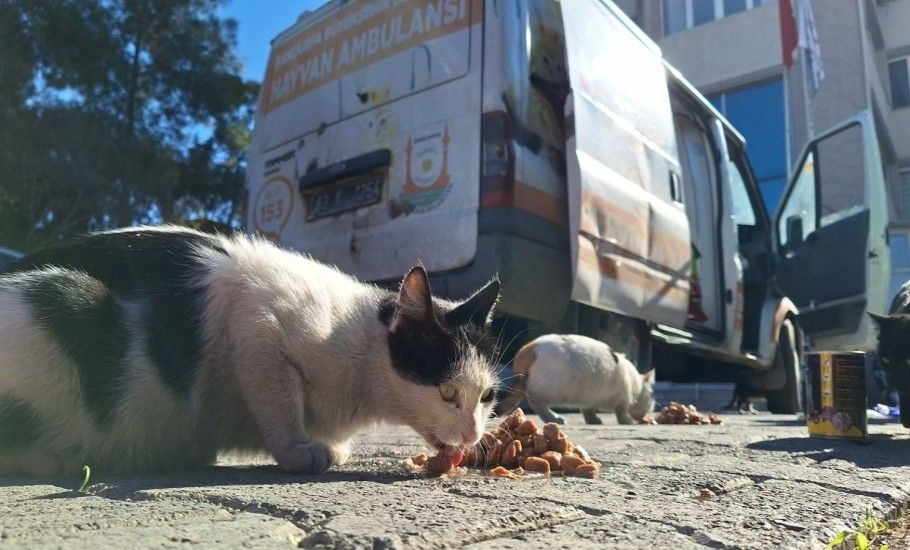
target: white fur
581 372
296 360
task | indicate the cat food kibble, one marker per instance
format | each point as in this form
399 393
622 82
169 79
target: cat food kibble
517 446
553 458
561 446
528 427
677 413
540 444
439 464
510 456
552 432
536 464
499 471
586 470
420 459
569 463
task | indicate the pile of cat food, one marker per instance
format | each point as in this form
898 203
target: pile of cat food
516 447
677 413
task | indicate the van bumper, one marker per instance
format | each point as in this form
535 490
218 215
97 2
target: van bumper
531 257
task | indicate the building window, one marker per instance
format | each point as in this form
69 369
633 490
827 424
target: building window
734 6
674 16
680 15
904 207
899 73
758 113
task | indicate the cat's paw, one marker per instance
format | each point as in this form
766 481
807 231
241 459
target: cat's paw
305 457
591 417
340 453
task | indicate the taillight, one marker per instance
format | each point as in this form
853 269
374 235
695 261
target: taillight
497 161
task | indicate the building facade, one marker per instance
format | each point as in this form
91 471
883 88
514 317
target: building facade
731 50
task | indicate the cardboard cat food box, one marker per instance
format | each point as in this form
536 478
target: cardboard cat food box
836 404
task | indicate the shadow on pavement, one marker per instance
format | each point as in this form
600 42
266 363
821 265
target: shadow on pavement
121 486
878 451
789 420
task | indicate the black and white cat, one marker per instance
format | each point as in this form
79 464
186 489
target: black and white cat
155 348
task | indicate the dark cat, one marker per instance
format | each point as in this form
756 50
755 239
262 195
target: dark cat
893 349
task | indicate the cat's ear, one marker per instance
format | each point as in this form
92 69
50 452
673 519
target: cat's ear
879 319
414 299
477 309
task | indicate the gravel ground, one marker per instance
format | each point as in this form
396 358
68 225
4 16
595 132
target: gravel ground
772 487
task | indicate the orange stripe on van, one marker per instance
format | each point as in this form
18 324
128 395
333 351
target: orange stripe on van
540 203
355 37
634 230
632 273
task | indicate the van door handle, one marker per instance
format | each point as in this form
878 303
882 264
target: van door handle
675 188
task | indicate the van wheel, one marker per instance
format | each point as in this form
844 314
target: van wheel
788 399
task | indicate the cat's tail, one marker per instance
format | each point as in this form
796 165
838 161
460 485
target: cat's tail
521 365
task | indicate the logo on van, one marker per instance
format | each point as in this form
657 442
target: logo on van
426 182
272 207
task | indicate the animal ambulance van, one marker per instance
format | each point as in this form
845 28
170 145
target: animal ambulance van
549 142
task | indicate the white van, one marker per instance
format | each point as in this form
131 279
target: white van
548 142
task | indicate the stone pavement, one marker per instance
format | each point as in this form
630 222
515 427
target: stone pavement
773 487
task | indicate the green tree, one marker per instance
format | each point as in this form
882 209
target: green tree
117 112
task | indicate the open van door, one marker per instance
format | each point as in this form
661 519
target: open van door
630 241
831 233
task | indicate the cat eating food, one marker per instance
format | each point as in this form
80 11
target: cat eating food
577 371
153 349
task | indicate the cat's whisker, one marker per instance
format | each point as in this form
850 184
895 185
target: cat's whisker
519 334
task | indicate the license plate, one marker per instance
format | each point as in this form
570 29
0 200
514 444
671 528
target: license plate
344 196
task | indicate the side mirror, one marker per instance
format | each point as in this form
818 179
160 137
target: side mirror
794 231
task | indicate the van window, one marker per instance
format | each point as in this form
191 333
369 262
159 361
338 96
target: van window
800 204
743 211
841 177
698 162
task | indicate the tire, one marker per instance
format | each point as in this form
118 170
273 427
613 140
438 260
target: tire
788 399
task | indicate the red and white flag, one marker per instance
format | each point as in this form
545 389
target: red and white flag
788 38
808 42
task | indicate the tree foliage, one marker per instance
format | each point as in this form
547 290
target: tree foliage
117 112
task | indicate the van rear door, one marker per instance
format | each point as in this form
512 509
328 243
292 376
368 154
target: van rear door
631 247
375 108
832 251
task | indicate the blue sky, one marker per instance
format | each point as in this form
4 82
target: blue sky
259 22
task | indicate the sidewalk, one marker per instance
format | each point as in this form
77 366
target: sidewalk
772 487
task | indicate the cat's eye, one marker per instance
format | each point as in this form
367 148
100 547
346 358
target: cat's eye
487 396
885 360
447 392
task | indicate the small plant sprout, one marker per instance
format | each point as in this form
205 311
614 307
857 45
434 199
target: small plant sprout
867 535
86 474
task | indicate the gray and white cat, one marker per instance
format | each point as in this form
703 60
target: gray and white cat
155 348
577 371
